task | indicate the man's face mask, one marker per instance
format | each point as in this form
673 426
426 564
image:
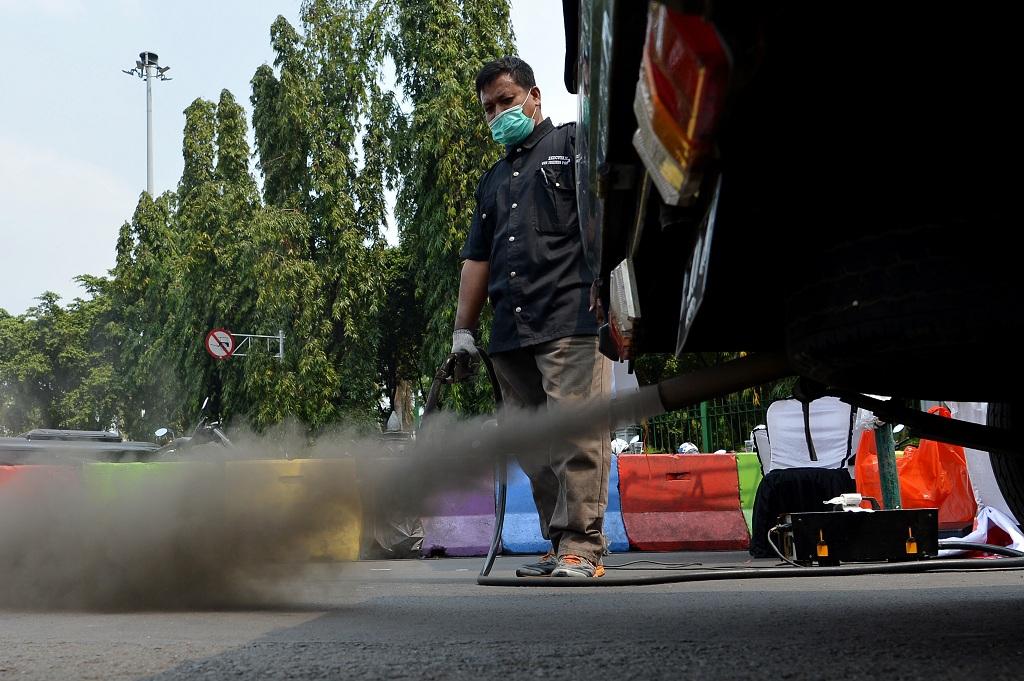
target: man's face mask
511 126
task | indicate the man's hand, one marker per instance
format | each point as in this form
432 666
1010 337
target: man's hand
463 341
595 302
464 348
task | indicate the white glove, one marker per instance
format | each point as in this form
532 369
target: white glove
463 341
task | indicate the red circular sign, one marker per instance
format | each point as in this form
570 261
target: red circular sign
220 344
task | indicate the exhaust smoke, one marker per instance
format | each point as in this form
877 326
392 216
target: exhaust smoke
230 529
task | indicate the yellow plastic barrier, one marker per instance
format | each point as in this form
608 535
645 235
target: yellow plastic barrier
310 509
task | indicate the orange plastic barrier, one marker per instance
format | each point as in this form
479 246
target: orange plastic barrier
679 502
932 475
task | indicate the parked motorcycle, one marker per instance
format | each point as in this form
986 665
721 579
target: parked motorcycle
206 433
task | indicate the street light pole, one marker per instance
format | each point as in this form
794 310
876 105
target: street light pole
149 125
147 67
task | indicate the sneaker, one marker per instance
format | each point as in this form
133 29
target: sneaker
575 566
541 568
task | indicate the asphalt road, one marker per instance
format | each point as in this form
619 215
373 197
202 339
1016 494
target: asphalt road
429 620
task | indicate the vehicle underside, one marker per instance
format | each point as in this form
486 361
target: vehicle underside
830 184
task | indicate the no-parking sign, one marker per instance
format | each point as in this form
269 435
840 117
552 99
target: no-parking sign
220 344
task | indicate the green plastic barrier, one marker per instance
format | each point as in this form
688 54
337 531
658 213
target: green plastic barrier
185 495
159 511
749 469
114 482
303 510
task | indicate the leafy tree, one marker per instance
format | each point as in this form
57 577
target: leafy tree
321 123
217 201
142 291
96 401
445 147
24 372
306 256
267 252
200 231
54 370
401 322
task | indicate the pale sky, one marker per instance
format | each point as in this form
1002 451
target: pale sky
73 127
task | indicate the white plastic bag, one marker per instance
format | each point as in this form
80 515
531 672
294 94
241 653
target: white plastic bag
991 526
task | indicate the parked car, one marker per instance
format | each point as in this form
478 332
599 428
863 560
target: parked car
827 188
52 446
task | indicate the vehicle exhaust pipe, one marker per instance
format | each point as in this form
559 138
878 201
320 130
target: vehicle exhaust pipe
705 384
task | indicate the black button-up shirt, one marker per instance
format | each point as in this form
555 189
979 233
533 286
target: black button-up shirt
527 228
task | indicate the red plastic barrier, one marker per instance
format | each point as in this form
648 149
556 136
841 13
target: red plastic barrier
29 480
932 475
38 490
680 502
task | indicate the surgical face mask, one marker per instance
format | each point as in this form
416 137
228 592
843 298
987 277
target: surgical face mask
511 126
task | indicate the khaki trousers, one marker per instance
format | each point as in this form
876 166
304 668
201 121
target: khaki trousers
568 476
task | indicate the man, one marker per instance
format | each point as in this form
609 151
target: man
524 252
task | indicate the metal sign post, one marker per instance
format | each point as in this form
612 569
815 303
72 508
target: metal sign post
241 344
888 473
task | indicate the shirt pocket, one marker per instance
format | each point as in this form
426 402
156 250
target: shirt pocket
556 204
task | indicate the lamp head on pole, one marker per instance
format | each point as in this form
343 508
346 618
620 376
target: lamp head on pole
146 60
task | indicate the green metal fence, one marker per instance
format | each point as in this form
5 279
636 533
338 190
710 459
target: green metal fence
718 424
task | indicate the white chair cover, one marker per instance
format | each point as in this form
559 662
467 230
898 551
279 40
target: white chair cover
763 447
830 432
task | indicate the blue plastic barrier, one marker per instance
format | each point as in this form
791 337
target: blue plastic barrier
520 532
614 530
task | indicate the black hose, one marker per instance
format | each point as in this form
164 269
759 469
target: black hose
909 567
984 548
444 375
500 474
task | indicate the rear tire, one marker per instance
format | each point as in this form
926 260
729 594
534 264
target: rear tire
1008 467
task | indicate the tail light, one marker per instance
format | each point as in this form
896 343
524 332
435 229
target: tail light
683 80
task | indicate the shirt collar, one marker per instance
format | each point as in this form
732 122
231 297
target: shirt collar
539 131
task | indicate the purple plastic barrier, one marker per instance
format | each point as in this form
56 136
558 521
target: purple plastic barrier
460 522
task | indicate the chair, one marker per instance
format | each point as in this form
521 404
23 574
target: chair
804 449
